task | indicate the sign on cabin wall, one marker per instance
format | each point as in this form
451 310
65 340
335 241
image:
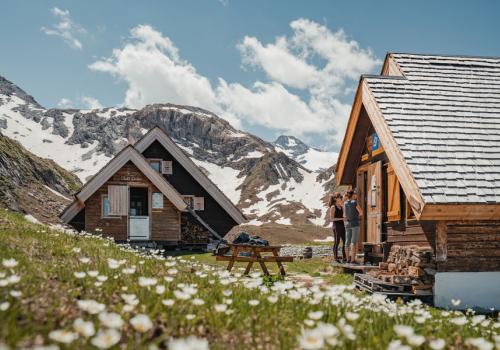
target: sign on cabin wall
130 178
157 200
375 142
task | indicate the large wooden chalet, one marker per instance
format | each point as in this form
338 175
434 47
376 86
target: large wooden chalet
153 192
422 148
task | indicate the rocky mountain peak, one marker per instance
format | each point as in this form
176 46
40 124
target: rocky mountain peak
291 144
8 89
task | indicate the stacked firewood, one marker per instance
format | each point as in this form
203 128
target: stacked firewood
194 233
408 265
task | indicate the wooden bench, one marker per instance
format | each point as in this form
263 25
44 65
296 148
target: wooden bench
254 256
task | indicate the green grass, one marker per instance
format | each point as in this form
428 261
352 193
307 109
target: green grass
47 261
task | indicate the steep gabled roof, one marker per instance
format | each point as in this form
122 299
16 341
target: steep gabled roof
438 118
157 134
127 154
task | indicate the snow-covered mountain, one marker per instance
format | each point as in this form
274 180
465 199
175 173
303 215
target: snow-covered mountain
311 158
282 182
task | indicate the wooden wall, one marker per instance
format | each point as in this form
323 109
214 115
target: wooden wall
421 233
165 223
472 246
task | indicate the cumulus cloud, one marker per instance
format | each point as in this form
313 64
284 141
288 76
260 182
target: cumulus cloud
308 74
91 102
65 28
86 102
65 103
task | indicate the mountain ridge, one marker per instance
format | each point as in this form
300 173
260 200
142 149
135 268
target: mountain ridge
268 181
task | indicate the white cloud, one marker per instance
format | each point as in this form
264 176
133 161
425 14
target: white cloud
65 103
65 28
86 102
91 102
318 64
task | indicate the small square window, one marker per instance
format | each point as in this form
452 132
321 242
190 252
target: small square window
155 164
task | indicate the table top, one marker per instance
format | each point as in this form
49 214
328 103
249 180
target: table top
258 247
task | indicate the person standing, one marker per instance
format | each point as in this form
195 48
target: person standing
352 213
335 205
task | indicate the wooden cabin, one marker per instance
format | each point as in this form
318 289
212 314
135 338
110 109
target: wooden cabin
152 192
422 148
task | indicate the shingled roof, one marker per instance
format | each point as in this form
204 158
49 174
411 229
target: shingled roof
443 113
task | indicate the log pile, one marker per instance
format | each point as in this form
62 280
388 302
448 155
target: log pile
408 265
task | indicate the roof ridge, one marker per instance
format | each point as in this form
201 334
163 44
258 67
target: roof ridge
442 55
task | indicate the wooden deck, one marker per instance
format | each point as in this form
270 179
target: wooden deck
355 268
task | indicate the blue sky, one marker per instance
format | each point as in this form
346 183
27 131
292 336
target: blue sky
225 55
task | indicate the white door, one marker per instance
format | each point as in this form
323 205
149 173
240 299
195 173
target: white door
139 228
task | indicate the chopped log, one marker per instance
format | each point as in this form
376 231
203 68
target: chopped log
383 266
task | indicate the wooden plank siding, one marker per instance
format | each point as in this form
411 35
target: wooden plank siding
421 233
165 223
472 246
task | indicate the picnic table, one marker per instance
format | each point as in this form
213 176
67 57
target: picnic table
253 254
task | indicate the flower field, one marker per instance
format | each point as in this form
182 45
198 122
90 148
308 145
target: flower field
63 290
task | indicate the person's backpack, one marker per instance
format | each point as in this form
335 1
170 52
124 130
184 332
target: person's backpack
242 238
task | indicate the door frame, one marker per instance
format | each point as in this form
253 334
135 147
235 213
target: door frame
137 185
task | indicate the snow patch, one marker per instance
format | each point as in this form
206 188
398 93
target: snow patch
31 219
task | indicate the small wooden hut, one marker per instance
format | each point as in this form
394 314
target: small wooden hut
152 192
422 148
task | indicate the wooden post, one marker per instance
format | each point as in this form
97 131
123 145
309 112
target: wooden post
441 241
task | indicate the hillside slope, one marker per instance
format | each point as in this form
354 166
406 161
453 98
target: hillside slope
31 184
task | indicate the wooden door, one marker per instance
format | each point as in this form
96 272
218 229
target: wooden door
361 191
374 203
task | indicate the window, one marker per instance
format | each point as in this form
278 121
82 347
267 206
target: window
105 206
157 200
155 164
166 167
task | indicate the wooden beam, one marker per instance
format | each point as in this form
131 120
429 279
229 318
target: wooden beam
391 67
348 136
461 212
441 241
392 151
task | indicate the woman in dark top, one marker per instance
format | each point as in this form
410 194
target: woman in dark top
337 216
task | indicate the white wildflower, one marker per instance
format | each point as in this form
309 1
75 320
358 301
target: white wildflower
437 344
4 306
220 307
63 336
351 316
93 273
141 323
189 343
253 302
415 340
459 321
91 306
84 260
455 302
105 339
315 315
84 328
168 302
15 293
272 299
147 281
479 343
160 289
111 320
311 340
197 301
9 263
403 331
80 274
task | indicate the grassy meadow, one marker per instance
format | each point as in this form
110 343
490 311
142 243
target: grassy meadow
61 290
